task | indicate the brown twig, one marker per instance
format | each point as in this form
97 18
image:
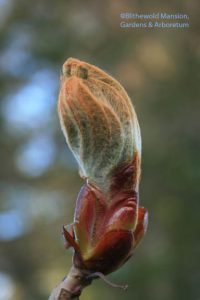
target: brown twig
72 285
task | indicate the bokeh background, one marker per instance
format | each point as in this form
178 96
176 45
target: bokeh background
39 180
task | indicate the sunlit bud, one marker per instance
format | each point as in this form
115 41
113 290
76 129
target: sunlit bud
102 130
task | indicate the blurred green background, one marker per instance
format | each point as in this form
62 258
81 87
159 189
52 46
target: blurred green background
39 179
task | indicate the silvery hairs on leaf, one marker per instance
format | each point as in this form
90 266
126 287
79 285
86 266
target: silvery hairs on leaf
98 121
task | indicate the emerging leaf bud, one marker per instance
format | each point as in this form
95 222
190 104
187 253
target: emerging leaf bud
102 130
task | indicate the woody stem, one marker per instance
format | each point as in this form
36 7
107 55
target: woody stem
72 285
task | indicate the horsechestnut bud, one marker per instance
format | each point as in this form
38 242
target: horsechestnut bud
102 130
